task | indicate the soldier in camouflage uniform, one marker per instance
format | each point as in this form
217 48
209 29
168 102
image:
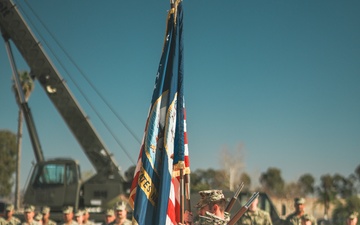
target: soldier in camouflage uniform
45 211
121 214
68 216
86 218
9 219
211 208
109 217
38 218
352 219
299 217
255 216
79 216
29 213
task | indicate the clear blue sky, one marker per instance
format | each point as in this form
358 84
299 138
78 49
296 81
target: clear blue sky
280 77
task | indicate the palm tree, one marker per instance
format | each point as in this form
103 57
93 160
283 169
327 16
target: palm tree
27 85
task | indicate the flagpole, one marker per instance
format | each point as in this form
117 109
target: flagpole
187 192
182 185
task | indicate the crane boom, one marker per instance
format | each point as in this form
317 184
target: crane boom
14 27
58 182
21 100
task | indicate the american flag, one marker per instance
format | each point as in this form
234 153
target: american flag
155 192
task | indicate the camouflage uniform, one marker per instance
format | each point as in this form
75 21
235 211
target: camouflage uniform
211 219
295 219
73 222
50 222
126 222
30 223
120 206
88 222
38 217
46 210
13 220
2 221
258 217
227 216
207 197
109 212
79 216
66 210
29 209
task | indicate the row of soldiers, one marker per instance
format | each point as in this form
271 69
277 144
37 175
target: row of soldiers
211 210
115 216
212 205
42 218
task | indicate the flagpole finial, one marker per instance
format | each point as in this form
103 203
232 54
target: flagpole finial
173 3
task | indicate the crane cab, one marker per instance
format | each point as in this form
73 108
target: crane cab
55 183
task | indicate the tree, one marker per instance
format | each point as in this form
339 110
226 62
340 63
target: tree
303 187
198 183
232 165
357 172
7 161
129 173
27 86
306 184
247 181
341 211
345 187
129 176
272 181
292 190
207 179
326 192
356 176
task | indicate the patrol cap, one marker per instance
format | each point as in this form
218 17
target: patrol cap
45 210
9 207
67 209
209 196
120 206
109 212
79 213
38 216
299 201
353 215
29 208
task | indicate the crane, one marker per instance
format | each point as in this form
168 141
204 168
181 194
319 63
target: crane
57 182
